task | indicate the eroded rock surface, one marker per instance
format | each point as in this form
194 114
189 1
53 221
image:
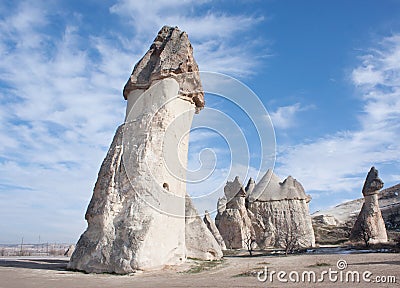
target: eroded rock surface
369 225
136 217
279 210
200 242
214 230
170 56
269 212
232 220
344 215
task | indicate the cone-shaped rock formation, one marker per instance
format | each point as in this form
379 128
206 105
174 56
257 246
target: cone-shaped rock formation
136 217
369 225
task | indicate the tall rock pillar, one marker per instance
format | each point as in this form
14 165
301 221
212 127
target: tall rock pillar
136 217
369 225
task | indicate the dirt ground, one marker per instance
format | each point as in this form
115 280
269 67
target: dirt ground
233 271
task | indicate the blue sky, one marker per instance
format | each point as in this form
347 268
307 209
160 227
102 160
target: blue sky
328 72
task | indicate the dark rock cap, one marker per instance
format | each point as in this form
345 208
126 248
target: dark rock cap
373 183
170 55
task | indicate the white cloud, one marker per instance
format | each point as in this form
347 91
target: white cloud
61 100
150 16
214 35
366 75
340 161
59 109
286 117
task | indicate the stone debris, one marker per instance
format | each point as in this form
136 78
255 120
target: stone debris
69 251
326 220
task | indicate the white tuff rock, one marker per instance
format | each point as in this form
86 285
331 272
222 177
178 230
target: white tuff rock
136 217
269 212
214 230
233 222
200 242
279 210
369 225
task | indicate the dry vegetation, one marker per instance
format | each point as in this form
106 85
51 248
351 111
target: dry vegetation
45 249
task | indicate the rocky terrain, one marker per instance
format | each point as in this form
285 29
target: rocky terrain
334 225
237 271
140 216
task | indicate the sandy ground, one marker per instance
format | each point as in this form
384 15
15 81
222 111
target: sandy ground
51 272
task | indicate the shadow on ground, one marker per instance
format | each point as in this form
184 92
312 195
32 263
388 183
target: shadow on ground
45 264
378 263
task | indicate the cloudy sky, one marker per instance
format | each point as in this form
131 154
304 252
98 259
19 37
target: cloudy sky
328 72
